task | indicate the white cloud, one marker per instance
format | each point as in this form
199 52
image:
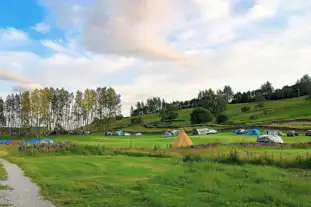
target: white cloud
42 27
232 50
12 34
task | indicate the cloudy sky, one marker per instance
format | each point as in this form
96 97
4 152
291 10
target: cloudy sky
146 48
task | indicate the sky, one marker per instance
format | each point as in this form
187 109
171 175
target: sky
171 49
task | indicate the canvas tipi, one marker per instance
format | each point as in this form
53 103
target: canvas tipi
182 140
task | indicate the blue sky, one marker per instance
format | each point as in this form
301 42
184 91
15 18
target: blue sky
66 43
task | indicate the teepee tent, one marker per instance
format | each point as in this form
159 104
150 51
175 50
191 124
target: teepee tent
182 140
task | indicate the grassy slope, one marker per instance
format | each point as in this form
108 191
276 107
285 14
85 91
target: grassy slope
95 181
278 110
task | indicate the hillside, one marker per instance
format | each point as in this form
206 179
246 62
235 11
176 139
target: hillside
294 108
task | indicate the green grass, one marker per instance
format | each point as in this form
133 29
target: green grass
149 141
277 110
138 179
3 173
130 181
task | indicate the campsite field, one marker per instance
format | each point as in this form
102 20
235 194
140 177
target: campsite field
169 177
149 141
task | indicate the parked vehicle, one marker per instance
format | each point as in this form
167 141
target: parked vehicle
292 133
308 133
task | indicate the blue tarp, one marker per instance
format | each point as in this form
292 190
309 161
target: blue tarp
253 132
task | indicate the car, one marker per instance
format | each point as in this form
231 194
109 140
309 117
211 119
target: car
308 133
292 133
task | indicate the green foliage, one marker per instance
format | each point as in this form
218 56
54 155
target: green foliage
245 109
309 91
169 113
201 115
221 119
260 101
136 120
2 116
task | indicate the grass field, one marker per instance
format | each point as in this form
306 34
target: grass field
140 180
128 181
149 141
277 110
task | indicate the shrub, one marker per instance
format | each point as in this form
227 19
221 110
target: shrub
136 120
221 119
245 109
201 115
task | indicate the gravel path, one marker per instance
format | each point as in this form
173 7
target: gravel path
22 191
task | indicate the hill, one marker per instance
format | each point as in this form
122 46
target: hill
286 109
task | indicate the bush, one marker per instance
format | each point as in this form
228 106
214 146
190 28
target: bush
245 109
221 119
136 120
201 115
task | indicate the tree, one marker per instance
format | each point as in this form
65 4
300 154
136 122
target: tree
169 113
2 116
221 119
309 91
132 112
201 115
266 88
260 101
136 120
25 110
228 93
245 109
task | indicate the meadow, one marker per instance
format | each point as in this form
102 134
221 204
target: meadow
293 108
145 171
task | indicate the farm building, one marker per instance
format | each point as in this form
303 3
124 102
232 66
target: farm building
270 139
182 140
253 132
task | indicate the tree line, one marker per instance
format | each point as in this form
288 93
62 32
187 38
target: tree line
207 98
59 109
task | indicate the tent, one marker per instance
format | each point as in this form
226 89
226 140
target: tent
202 131
119 133
175 132
108 134
167 134
270 139
182 140
240 131
273 132
253 132
47 140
